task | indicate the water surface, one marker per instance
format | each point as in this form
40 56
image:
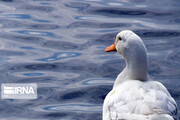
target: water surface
59 44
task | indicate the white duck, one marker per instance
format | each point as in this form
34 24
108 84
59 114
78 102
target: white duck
133 97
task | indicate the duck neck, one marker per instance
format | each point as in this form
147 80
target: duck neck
137 65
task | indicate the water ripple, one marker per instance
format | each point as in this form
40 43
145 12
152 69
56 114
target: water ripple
78 5
33 74
60 75
116 12
16 16
62 45
96 24
158 33
27 47
23 16
60 55
174 55
70 107
37 8
36 33
97 81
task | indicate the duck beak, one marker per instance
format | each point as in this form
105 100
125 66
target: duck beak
111 48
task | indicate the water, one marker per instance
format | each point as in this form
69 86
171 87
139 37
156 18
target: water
60 46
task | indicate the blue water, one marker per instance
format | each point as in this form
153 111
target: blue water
59 44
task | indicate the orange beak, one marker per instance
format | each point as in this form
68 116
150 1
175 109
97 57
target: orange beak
111 48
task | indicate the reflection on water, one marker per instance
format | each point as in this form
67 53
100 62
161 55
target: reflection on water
60 46
26 47
58 56
32 74
71 107
17 16
97 81
36 33
22 16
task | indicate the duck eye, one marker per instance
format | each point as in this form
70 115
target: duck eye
119 38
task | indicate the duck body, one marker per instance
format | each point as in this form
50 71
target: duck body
138 100
134 96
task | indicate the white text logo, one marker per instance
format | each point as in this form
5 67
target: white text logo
19 91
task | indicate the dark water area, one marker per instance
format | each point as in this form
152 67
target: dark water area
59 44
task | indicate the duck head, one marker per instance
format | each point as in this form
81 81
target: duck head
132 48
